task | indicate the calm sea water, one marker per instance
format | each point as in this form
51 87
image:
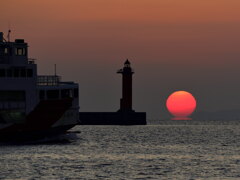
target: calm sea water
161 150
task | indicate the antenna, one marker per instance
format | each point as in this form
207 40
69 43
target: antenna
55 69
8 36
9 32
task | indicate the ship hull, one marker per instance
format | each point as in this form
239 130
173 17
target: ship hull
47 119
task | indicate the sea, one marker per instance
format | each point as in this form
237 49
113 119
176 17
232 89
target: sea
160 150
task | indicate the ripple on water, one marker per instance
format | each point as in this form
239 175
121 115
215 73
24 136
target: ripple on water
182 151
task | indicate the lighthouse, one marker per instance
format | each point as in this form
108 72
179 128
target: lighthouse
125 115
126 100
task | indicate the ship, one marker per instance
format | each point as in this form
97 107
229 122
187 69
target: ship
32 106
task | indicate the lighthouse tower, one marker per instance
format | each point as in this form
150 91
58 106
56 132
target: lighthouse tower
126 100
125 115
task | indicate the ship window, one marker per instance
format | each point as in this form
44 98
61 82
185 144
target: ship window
20 51
12 95
5 50
53 94
9 73
29 72
70 93
65 93
23 72
2 73
16 72
76 92
42 94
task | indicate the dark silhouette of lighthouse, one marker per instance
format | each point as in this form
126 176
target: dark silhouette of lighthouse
125 115
126 100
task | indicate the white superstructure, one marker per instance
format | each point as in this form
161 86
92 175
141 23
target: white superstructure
22 90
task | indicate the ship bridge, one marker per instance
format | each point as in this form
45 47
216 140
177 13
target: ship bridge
18 73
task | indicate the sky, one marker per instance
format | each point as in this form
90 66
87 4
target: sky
191 45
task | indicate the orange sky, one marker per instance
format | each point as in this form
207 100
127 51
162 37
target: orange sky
166 11
186 26
191 45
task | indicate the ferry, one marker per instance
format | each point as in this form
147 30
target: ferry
31 105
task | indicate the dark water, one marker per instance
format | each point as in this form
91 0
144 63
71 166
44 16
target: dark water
165 150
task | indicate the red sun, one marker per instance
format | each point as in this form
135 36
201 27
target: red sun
181 104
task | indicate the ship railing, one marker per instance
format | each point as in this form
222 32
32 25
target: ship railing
67 82
31 61
51 80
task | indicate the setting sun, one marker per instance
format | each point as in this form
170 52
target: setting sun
181 104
